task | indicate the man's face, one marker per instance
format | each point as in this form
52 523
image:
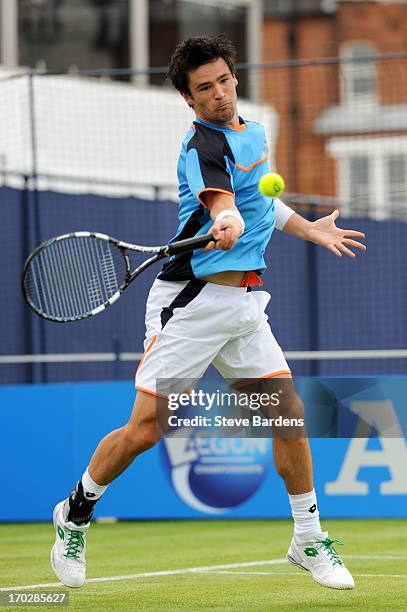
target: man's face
213 92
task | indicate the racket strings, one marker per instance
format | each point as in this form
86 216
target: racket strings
72 277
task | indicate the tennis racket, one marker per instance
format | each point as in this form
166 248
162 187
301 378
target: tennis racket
78 275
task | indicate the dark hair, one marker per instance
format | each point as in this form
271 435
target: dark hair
195 51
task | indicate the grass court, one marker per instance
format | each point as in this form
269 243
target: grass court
211 565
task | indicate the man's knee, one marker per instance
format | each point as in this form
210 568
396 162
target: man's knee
286 402
144 428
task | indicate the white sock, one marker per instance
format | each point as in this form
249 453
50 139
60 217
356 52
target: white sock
90 488
305 514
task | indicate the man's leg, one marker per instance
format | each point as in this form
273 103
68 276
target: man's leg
255 363
310 549
112 456
177 349
293 462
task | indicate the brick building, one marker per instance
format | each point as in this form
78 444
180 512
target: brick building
343 126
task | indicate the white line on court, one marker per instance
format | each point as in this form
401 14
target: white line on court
185 570
215 569
381 575
231 573
384 557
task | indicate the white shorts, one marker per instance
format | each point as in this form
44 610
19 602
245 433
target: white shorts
192 324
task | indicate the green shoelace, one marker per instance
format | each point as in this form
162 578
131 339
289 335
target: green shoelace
328 546
74 545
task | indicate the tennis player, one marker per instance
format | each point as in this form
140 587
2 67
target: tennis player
201 309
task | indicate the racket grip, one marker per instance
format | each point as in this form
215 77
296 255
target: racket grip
189 244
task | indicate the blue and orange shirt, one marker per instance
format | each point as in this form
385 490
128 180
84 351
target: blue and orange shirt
230 160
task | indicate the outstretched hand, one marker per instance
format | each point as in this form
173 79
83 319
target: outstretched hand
325 233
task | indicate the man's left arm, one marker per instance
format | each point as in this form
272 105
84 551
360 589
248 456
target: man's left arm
323 231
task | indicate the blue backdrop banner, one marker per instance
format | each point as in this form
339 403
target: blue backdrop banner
49 432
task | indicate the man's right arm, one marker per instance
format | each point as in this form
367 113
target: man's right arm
227 228
210 180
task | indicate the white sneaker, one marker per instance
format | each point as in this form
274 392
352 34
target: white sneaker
319 557
68 552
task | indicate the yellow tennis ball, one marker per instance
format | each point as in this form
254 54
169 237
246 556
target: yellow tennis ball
271 184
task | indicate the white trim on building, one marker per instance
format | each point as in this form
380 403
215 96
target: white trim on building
377 151
9 33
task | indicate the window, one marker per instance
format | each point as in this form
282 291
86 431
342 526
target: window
396 171
59 35
359 183
371 175
358 78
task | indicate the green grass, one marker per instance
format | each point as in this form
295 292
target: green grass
129 548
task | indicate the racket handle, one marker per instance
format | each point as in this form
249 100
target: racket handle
184 246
